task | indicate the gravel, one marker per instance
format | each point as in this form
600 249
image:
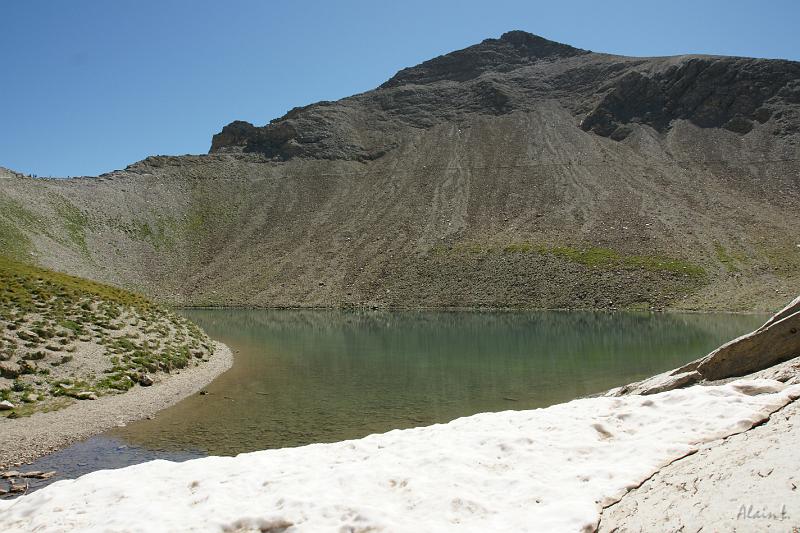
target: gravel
25 439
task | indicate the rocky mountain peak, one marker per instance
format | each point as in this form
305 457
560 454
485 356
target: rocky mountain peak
606 95
512 50
540 47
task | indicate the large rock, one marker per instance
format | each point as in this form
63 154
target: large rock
778 340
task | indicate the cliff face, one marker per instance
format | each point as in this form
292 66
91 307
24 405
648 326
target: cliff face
516 172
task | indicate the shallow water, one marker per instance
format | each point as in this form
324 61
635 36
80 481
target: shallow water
319 376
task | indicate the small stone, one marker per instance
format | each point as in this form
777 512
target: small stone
10 473
5 405
85 395
38 474
145 380
17 487
203 392
12 415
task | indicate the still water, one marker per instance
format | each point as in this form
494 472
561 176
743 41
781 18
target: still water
318 376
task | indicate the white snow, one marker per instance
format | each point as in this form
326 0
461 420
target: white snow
540 470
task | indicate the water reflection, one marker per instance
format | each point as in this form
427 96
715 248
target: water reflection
319 376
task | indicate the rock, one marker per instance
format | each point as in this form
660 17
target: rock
38 474
659 383
5 405
10 370
778 340
9 474
27 335
145 380
18 487
84 395
12 415
713 92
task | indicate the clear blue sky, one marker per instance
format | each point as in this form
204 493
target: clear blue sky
90 86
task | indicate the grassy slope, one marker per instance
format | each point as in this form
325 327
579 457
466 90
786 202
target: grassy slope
63 336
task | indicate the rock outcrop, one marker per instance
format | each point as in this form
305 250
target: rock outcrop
730 93
778 340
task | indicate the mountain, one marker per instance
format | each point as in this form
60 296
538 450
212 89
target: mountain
518 172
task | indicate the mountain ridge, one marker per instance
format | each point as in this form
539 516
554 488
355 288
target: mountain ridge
710 91
573 179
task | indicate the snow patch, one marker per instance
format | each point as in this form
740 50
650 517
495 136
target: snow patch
540 470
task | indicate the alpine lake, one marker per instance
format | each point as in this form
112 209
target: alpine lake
308 376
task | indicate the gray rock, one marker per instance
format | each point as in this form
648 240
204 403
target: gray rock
10 370
5 405
39 474
778 340
84 395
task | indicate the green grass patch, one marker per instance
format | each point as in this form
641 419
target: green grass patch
23 286
75 223
727 260
593 257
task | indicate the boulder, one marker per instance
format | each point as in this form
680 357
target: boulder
5 405
10 370
777 341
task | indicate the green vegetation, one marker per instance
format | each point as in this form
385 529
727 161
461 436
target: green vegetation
27 288
50 323
593 257
727 260
13 240
782 259
75 222
156 232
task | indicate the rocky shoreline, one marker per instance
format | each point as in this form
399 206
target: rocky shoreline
25 439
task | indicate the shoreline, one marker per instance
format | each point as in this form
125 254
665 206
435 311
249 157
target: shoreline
660 310
25 439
